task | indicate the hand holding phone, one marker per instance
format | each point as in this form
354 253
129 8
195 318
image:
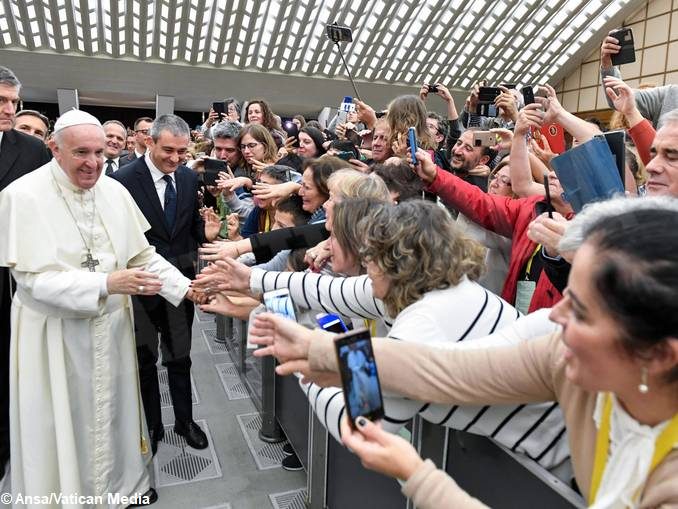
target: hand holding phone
627 53
212 169
331 323
359 378
412 143
528 94
220 108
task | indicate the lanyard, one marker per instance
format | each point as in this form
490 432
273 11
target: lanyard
666 441
371 326
529 262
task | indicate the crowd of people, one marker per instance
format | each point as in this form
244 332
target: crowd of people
495 308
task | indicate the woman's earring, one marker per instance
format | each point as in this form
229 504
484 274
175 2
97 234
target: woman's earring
643 388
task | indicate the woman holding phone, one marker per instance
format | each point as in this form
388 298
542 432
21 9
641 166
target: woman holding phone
613 367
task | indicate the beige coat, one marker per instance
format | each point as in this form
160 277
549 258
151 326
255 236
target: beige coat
527 372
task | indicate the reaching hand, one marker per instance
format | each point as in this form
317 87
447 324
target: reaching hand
196 296
285 339
221 304
133 282
444 93
259 166
545 154
340 131
218 251
380 450
548 232
365 113
506 138
621 96
224 275
318 256
506 102
531 115
275 192
212 223
552 107
423 92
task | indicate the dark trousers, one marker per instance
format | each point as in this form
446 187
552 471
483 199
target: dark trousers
5 313
153 316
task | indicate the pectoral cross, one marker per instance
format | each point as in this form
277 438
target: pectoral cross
90 262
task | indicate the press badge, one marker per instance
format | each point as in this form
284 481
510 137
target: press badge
524 294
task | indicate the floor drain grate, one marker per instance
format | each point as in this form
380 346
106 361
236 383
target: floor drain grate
214 346
177 463
289 500
230 379
165 398
265 455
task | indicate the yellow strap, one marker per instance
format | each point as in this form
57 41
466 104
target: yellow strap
602 448
267 222
371 326
529 262
666 441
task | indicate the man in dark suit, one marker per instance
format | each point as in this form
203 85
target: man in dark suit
19 154
167 194
142 125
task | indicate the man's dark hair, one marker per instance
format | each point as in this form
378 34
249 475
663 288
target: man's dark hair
294 205
442 123
140 120
400 180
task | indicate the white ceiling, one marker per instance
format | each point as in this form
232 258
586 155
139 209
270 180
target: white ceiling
201 50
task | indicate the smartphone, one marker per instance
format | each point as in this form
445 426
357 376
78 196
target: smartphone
627 53
412 142
528 94
484 139
338 33
220 108
212 169
555 135
616 140
486 97
508 85
433 88
292 131
548 196
280 303
345 155
359 378
331 323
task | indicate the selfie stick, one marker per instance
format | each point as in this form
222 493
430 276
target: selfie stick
341 54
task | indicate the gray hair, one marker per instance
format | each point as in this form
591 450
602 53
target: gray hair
580 227
33 113
7 77
177 126
116 122
669 118
226 130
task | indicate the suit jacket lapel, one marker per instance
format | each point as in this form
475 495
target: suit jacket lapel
8 152
148 187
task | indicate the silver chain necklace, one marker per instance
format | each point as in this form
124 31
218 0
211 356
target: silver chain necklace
90 262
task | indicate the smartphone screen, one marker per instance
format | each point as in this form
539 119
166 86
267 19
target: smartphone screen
528 94
412 142
280 303
359 378
331 323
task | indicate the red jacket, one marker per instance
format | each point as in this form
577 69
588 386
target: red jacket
505 216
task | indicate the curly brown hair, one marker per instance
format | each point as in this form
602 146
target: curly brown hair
419 248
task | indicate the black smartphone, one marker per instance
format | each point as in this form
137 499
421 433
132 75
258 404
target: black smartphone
212 169
627 53
433 88
486 97
508 85
292 131
547 189
359 378
528 94
220 108
338 33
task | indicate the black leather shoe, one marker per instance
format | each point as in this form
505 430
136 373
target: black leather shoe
148 498
156 435
194 436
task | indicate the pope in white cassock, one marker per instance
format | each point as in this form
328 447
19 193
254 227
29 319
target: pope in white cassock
75 244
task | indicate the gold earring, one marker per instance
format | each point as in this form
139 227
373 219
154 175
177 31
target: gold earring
643 388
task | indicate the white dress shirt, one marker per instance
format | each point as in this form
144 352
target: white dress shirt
157 176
